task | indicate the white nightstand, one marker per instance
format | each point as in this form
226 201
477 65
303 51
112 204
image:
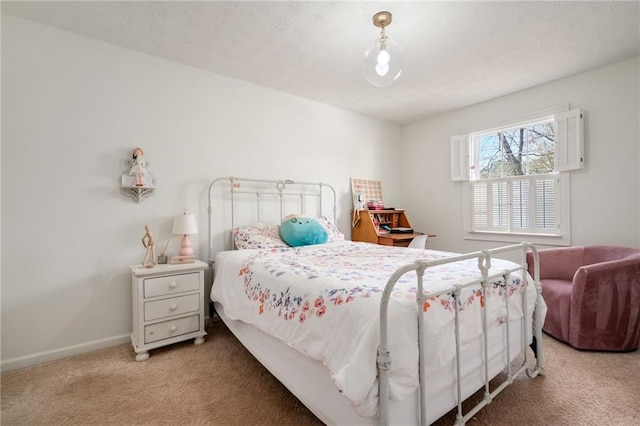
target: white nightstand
168 305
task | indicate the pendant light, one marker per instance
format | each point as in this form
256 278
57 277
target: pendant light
382 61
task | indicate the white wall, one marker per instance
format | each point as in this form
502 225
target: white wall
605 195
72 110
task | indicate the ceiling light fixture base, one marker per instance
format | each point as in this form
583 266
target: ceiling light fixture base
382 19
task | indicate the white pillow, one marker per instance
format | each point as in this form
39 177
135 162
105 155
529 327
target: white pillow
332 229
258 236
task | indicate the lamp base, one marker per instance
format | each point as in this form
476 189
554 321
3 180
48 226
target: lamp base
182 259
185 247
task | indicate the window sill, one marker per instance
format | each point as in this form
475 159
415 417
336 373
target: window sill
550 240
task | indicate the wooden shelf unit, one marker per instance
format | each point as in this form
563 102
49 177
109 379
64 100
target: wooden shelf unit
368 228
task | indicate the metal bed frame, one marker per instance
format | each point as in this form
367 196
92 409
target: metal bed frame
484 264
303 190
281 189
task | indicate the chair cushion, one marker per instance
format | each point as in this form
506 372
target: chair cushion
561 263
557 295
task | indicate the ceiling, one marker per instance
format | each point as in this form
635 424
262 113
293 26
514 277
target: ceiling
456 53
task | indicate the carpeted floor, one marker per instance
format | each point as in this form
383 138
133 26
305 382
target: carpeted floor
220 383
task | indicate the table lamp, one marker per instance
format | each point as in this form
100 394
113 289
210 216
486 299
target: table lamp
185 225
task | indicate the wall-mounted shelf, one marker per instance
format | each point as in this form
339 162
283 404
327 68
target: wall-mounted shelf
137 193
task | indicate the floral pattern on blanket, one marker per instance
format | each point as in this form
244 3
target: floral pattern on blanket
324 301
338 263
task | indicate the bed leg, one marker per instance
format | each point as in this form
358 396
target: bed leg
534 347
212 310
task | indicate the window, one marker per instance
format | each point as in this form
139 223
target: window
516 151
516 186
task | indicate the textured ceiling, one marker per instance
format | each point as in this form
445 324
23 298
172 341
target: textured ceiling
456 53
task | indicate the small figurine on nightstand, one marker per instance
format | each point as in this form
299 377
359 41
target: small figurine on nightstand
139 167
148 243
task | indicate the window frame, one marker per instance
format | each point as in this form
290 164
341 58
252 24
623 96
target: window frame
570 140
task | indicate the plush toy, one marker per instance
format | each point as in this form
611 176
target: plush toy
303 231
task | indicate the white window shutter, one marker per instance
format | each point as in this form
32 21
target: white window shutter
569 153
460 157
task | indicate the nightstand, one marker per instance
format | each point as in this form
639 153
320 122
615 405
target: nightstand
168 305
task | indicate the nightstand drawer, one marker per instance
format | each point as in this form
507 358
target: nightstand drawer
171 284
169 307
167 329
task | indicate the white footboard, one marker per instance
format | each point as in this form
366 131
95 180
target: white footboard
484 279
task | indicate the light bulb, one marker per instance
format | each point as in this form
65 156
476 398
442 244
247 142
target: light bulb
382 62
382 69
383 56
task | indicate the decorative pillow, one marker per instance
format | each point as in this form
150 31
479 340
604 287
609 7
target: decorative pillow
258 236
303 231
332 229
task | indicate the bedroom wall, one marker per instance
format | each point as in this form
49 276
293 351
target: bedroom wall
605 194
72 110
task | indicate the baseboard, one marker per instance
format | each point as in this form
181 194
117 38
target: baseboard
42 357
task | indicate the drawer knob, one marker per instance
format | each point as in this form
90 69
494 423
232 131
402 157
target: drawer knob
173 285
173 328
173 307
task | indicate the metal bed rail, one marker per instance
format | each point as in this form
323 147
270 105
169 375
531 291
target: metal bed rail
261 188
484 265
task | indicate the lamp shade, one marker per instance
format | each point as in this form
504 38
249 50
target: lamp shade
184 224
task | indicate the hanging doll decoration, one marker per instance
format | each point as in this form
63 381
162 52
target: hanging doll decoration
139 166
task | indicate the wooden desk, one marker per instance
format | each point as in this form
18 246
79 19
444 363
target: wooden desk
401 240
369 228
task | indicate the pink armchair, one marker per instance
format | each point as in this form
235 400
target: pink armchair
592 295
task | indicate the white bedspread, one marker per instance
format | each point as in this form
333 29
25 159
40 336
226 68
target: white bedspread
323 300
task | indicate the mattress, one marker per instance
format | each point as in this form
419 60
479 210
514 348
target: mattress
321 303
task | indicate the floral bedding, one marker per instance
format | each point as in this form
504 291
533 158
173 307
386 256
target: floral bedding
323 300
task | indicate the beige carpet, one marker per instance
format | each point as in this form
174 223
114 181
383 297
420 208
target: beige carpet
220 383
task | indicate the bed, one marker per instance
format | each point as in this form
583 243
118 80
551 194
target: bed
362 333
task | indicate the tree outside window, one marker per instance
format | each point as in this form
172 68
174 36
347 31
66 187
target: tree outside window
520 151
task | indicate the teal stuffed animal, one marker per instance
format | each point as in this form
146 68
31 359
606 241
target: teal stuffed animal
303 231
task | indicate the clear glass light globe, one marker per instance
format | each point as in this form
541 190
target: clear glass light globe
382 62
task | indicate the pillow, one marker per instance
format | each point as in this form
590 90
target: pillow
332 229
303 231
258 236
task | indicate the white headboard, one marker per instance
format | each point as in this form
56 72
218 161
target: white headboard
235 201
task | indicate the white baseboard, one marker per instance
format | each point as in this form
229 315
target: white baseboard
42 357
56 354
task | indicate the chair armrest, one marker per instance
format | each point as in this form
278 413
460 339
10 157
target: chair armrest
625 265
601 292
589 278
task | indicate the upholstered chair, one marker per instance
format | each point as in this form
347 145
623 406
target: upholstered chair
592 295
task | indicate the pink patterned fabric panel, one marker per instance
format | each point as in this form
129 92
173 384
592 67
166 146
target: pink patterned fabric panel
258 236
332 229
